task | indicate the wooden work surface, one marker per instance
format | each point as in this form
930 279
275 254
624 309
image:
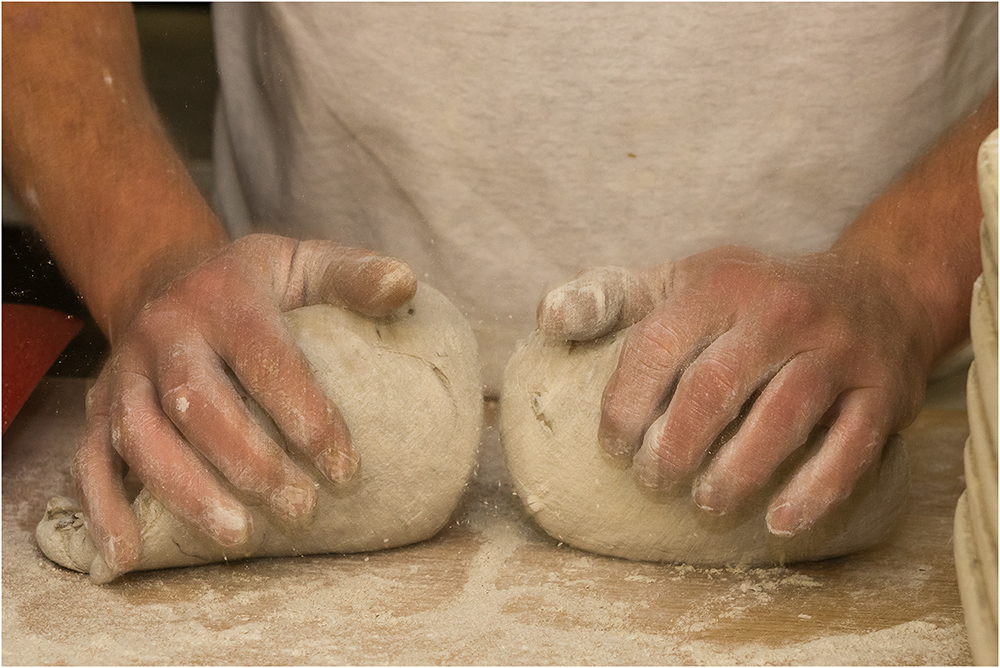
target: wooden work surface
490 589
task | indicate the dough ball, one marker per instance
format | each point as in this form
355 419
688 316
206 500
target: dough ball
408 387
549 414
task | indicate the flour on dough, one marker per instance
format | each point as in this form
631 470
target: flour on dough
408 387
549 414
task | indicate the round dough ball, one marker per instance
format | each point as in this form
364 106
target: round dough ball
408 387
549 414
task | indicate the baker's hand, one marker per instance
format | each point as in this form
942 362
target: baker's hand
825 339
165 407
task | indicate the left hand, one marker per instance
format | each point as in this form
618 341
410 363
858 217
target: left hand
829 339
165 406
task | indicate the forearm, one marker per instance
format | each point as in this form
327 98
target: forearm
85 152
925 229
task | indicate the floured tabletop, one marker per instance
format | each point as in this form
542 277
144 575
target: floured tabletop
490 589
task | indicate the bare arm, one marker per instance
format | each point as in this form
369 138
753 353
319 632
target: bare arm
84 151
181 305
925 228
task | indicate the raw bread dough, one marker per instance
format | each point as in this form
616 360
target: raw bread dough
408 387
983 328
549 413
980 611
987 168
976 514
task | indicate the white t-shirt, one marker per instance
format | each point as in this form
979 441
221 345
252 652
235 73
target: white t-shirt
502 148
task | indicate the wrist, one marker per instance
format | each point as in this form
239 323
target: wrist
89 158
929 284
119 239
147 276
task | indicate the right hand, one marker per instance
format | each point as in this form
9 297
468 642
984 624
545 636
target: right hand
164 407
836 339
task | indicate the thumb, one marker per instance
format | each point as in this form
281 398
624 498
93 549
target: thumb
602 300
363 281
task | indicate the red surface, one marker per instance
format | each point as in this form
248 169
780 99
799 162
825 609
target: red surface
33 337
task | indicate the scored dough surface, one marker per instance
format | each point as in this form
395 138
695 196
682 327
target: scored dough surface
549 414
409 390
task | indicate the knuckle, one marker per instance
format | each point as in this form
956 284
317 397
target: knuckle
714 380
863 443
250 468
858 447
80 468
785 427
652 349
743 472
625 414
709 396
98 398
794 305
254 474
829 485
125 423
614 420
618 432
189 400
722 268
667 463
152 321
323 426
672 454
792 405
259 368
178 401
676 462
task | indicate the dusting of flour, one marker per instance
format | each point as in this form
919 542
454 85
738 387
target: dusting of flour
491 589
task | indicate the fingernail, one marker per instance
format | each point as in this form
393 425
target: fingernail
582 310
709 499
395 273
390 275
613 443
110 554
229 526
786 520
647 463
647 468
293 501
615 446
590 299
101 572
339 466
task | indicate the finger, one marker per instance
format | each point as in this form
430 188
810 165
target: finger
277 374
204 406
600 301
99 473
375 285
652 357
597 302
168 467
827 479
709 396
779 422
